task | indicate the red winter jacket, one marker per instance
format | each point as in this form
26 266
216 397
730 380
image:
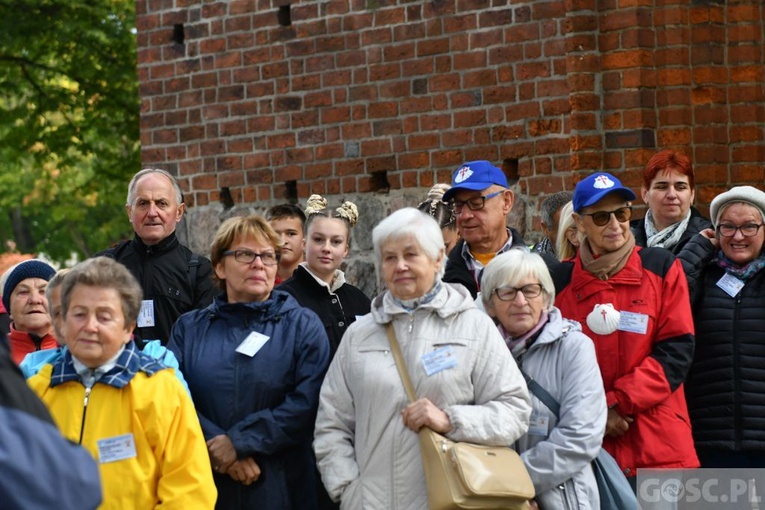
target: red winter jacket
643 374
22 343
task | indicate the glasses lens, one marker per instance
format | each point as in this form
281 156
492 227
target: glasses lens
476 203
244 256
532 290
750 229
268 259
623 214
506 293
601 218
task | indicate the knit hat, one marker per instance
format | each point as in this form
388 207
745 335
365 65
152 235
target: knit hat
33 268
591 189
746 194
476 176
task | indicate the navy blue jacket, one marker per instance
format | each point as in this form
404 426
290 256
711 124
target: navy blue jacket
266 404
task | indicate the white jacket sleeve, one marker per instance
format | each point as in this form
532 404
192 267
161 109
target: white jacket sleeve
334 435
501 407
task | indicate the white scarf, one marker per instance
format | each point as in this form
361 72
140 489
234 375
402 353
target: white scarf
668 237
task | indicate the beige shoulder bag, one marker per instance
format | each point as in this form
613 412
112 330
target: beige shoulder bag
465 475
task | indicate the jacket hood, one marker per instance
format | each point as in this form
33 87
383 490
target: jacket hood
278 304
450 300
555 328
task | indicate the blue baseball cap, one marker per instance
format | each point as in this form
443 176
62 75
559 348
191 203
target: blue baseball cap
596 186
475 175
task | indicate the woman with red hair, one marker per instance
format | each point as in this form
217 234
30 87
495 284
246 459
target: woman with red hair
668 191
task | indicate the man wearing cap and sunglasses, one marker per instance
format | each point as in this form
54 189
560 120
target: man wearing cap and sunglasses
633 302
482 201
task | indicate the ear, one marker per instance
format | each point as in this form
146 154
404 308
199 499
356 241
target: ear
129 211
509 198
644 194
179 214
129 328
220 271
693 195
545 230
440 259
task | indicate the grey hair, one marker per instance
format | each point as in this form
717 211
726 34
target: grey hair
552 203
105 273
147 171
509 268
410 223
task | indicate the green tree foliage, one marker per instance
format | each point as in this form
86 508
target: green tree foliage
69 123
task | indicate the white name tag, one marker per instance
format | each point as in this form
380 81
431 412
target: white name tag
633 322
539 425
439 360
146 314
116 448
252 344
730 284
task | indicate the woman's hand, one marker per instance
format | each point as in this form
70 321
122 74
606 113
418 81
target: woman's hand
710 234
222 453
424 413
245 471
616 424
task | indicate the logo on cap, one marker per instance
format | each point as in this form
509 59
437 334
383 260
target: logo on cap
603 182
462 174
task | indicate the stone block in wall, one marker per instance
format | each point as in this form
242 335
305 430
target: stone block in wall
198 226
361 273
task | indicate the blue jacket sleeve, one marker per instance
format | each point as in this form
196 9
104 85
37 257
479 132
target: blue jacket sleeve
271 430
156 350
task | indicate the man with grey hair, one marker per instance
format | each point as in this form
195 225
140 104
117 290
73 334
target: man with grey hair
173 278
549 219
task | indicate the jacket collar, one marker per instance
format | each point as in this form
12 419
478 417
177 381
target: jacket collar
449 301
129 363
584 283
276 305
163 246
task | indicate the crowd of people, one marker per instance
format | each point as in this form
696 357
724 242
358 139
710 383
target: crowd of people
261 378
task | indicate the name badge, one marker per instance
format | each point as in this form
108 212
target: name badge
438 360
252 344
116 448
539 424
633 322
730 284
146 314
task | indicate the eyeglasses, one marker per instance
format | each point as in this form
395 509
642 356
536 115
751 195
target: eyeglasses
475 203
529 291
249 256
601 218
747 230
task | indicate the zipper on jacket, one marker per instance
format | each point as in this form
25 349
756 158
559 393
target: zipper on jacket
84 412
411 323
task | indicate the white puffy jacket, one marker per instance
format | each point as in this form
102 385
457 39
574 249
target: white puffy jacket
366 456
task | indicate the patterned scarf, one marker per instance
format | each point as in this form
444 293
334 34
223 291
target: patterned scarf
411 305
743 273
667 238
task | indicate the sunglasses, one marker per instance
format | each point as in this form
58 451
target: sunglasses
601 218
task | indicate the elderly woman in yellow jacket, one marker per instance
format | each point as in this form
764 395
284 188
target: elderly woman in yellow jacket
124 407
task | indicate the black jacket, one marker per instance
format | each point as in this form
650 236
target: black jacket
457 270
726 383
696 224
337 311
171 275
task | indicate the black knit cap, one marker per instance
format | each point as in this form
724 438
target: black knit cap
33 268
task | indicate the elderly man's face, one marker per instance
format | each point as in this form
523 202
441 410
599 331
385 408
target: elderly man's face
29 307
484 230
154 211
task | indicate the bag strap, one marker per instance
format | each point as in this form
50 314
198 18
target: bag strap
400 363
542 394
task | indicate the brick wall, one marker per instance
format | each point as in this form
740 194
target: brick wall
252 103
